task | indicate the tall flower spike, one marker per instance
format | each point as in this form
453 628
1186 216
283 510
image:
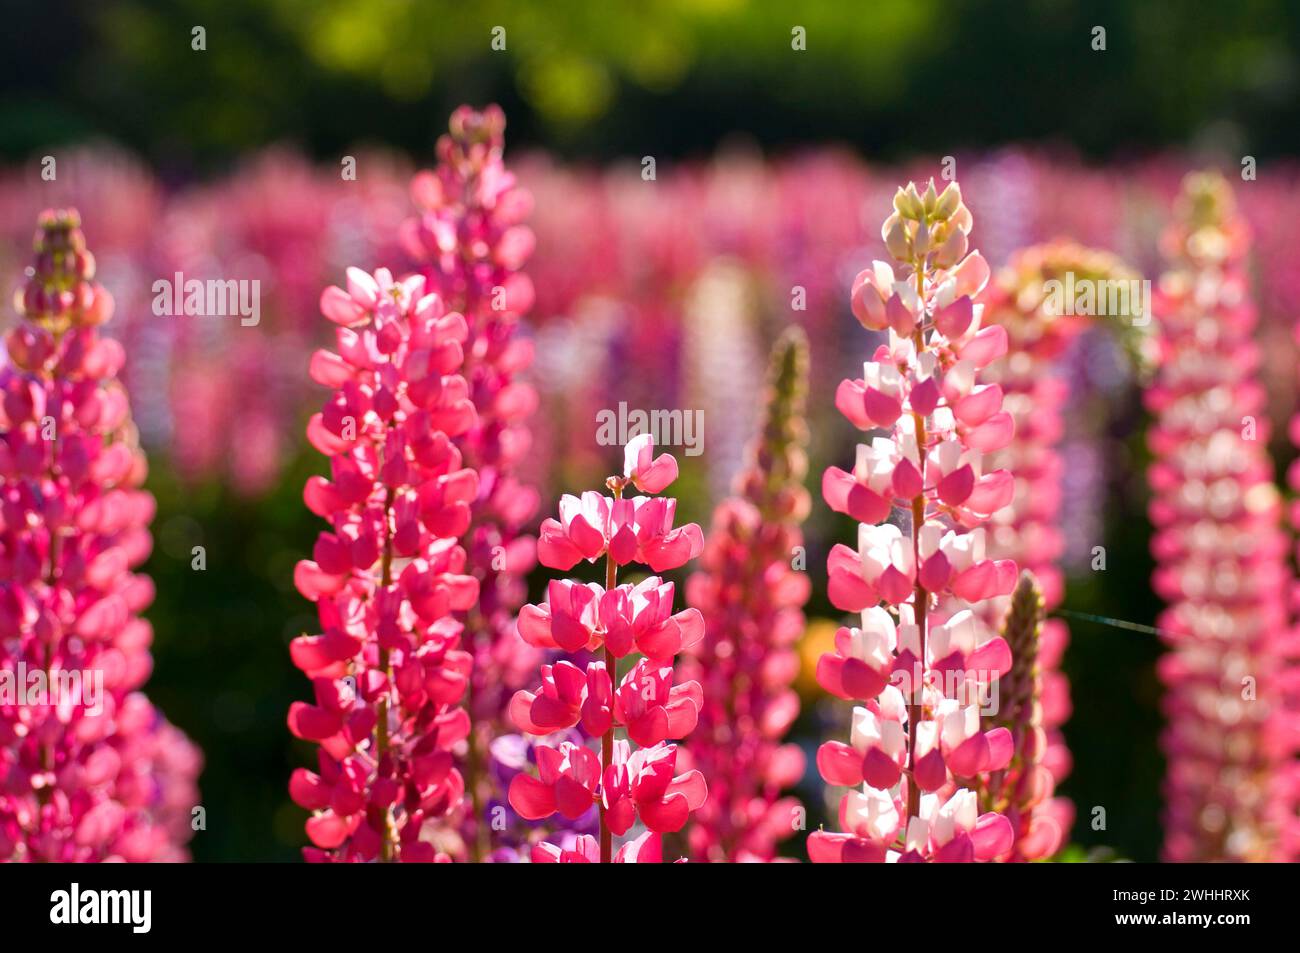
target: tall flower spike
634 779
751 599
89 770
471 242
387 670
1285 787
1039 298
924 666
1023 790
1220 552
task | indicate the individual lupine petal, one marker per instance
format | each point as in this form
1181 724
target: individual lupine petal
924 397
659 545
648 473
581 528
901 309
531 798
646 849
859 667
870 814
978 405
678 633
652 708
556 705
986 346
972 275
871 289
567 780
984 580
906 481
993 434
598 705
585 850
554 548
839 764
850 400
991 492
363 288
826 847
955 487
574 613
846 588
844 494
953 319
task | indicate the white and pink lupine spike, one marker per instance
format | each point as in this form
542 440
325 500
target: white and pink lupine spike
650 704
922 665
388 669
98 775
1233 726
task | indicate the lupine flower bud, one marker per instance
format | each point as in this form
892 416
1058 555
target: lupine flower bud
1023 790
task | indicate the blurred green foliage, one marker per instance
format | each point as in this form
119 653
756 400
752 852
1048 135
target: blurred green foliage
667 77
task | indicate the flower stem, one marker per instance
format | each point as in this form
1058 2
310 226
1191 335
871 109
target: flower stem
921 598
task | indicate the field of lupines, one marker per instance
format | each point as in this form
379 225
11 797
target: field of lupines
503 369
727 512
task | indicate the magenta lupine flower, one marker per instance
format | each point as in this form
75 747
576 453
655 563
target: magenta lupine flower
388 670
89 771
751 598
650 704
1029 529
1219 548
922 664
471 242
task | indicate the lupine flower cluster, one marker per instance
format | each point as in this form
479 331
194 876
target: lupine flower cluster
472 244
388 669
1285 787
633 779
1022 791
89 769
1219 548
1041 325
751 598
922 663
